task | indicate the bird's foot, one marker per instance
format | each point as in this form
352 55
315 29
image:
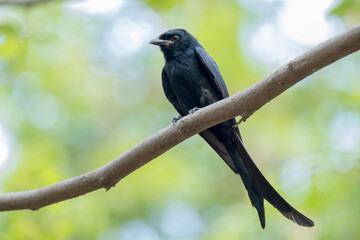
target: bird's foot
191 111
175 119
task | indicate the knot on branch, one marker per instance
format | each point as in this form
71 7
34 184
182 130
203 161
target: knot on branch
105 182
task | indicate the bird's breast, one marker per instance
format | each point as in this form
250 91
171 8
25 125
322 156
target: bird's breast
190 82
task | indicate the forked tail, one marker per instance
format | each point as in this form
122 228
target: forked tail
258 188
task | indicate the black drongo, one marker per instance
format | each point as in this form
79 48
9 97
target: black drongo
191 79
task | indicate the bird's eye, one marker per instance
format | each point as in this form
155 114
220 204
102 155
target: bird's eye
175 38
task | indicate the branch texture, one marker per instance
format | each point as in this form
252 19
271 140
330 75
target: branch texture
244 104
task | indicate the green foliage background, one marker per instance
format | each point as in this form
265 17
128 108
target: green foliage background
70 104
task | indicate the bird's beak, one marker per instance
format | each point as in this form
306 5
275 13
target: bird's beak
161 42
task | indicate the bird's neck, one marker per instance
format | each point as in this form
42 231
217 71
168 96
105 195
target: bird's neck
170 55
174 54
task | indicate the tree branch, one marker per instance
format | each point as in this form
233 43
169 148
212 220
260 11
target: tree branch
244 104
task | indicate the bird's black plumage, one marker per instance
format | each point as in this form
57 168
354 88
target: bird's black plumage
191 79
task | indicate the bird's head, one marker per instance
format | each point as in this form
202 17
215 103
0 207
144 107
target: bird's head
174 42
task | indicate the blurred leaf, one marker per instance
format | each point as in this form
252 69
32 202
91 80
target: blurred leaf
163 5
348 8
10 43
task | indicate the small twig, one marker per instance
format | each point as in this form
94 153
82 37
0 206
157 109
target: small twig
242 119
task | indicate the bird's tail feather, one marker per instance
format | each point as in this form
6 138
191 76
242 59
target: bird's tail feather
258 202
262 189
298 218
256 199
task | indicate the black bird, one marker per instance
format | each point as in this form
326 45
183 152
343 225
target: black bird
191 79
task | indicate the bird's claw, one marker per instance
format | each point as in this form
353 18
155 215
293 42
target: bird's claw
191 111
175 119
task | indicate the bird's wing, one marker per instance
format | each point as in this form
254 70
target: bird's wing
170 94
214 72
215 76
